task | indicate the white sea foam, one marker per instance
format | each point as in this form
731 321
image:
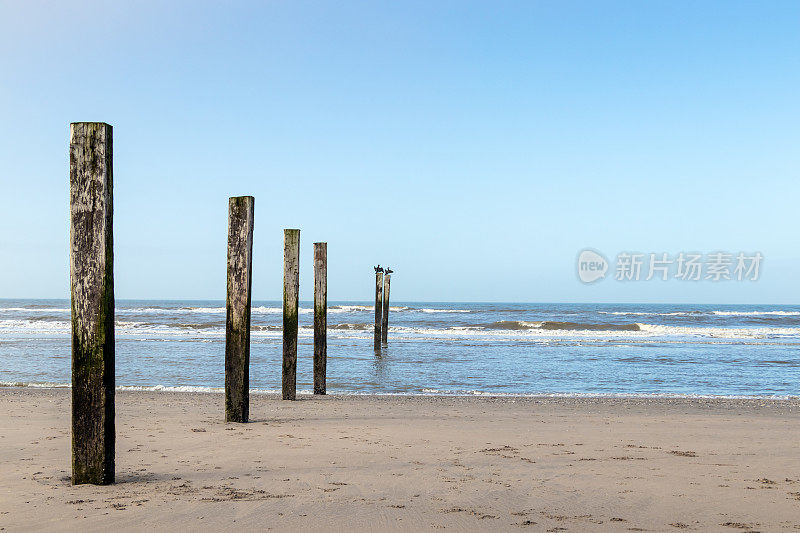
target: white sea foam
35 309
611 395
645 331
402 308
720 333
149 388
443 310
125 329
423 392
643 313
197 310
757 313
34 326
519 329
333 309
190 388
35 385
350 308
696 313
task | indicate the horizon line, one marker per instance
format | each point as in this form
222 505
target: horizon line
370 301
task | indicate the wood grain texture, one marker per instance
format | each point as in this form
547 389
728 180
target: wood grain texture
241 211
387 279
378 309
320 316
92 294
291 286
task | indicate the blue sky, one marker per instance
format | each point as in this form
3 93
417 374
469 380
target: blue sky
476 147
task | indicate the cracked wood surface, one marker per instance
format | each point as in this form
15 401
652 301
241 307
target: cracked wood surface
241 211
320 316
291 285
92 294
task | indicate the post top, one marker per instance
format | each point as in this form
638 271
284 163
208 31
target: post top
242 197
95 123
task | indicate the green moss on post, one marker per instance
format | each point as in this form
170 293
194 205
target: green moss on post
291 286
92 293
237 324
320 316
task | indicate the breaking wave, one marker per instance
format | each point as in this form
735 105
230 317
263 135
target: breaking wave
757 313
699 313
351 327
577 326
514 325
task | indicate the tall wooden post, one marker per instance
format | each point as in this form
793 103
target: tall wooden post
237 324
387 278
291 286
320 316
92 291
378 306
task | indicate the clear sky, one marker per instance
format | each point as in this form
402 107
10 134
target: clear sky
476 147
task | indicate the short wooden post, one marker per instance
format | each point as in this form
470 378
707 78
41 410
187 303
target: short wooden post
92 292
320 316
378 306
387 278
237 323
291 286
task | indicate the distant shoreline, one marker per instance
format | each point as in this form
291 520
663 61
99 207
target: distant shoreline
533 397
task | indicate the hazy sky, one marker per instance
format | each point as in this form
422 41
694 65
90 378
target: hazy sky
476 147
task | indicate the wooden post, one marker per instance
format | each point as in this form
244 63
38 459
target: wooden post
92 291
387 278
237 322
378 303
291 286
320 316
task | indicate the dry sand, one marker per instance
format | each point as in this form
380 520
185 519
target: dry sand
409 463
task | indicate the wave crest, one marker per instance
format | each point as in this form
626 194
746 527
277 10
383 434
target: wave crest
562 326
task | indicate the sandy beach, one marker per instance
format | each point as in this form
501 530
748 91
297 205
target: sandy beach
376 463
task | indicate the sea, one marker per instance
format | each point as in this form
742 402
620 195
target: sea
503 349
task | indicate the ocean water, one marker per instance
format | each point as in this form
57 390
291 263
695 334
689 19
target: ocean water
435 348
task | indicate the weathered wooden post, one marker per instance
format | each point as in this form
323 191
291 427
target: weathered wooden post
387 278
237 323
92 291
378 302
291 286
320 316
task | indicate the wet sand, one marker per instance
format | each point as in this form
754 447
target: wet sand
372 463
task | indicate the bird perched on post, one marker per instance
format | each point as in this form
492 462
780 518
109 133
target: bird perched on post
378 269
388 270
